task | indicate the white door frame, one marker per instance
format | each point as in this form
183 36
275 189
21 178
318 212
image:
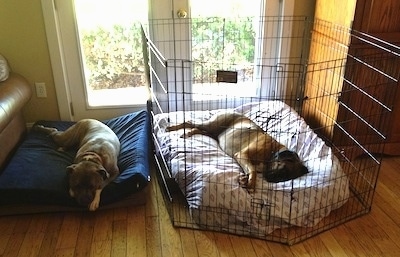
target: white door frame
57 59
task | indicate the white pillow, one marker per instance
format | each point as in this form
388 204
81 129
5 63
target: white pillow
4 69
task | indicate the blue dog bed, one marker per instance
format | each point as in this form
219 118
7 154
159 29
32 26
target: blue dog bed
37 172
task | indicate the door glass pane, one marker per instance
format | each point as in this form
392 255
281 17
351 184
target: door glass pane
224 38
111 51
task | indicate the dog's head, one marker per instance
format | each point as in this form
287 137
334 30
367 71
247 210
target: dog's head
284 165
85 178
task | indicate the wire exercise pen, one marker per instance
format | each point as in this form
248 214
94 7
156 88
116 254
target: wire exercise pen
322 90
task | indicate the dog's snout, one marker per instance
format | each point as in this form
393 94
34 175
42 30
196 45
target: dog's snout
285 165
283 171
276 175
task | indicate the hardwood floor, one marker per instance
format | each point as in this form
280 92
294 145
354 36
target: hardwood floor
147 231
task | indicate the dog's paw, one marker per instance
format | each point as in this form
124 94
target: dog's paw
44 129
171 128
251 184
186 135
39 128
96 201
247 183
243 179
94 205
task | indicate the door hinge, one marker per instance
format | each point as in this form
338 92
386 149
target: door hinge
71 107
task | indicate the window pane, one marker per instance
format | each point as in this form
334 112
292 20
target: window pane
111 50
224 38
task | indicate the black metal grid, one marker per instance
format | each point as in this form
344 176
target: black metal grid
347 86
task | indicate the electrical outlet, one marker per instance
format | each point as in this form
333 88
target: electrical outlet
41 90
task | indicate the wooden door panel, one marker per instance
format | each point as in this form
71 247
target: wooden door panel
367 98
377 16
375 101
366 111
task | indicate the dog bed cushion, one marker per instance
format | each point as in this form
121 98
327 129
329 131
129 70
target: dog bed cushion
37 172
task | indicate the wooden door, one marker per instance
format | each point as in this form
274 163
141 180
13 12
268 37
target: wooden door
369 110
352 103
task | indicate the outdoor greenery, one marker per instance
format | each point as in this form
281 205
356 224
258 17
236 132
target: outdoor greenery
113 56
230 40
222 43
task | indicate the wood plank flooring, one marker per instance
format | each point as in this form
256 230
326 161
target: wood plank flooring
147 231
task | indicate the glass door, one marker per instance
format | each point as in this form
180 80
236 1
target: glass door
217 38
111 51
101 61
99 71
224 43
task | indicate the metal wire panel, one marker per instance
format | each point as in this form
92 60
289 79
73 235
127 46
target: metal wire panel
341 82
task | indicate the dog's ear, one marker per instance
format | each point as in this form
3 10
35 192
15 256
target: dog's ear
71 168
104 174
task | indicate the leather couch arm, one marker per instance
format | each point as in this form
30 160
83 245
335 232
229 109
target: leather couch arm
15 92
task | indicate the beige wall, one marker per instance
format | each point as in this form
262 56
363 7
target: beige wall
23 42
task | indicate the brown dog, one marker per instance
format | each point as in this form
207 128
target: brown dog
95 164
250 146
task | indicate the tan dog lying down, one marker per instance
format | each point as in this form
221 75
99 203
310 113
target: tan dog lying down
250 146
95 164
